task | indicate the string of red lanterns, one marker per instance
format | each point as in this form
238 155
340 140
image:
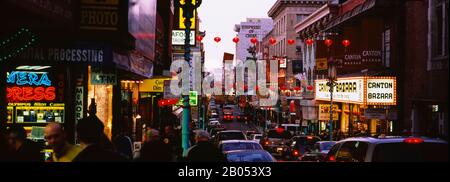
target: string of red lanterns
254 40
217 39
291 41
236 40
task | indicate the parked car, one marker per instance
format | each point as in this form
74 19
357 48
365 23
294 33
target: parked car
229 145
256 137
249 156
213 132
300 145
229 135
275 141
389 149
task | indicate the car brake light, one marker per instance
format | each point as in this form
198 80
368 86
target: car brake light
413 140
239 117
267 142
309 137
296 153
332 158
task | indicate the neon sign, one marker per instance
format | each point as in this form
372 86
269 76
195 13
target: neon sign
28 78
20 94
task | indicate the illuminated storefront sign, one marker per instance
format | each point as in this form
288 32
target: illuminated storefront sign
29 86
178 37
359 90
381 91
153 85
349 90
324 112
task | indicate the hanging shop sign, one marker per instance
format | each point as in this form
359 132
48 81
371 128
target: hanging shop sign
321 64
178 37
283 62
372 113
153 85
99 15
349 90
381 91
103 78
324 112
79 94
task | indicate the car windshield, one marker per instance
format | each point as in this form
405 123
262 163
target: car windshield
404 152
231 136
240 146
326 145
281 135
249 157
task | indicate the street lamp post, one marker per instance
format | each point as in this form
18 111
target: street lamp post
331 83
188 13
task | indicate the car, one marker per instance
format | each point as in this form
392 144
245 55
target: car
229 135
213 123
293 128
312 157
213 132
300 145
250 132
228 110
229 145
249 156
323 147
389 149
241 117
275 141
256 137
214 116
228 117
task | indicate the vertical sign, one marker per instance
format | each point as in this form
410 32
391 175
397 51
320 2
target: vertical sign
78 103
182 19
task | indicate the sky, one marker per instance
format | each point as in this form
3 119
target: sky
218 18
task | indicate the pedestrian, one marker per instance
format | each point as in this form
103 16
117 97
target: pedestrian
123 145
204 150
155 150
56 138
95 144
20 148
173 139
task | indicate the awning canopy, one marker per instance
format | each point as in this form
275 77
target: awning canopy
369 4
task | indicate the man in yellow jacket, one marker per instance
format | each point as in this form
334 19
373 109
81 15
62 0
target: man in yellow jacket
56 139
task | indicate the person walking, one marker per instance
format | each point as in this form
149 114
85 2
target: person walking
20 148
55 136
155 150
204 150
95 144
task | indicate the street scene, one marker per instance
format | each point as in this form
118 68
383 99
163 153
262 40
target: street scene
224 81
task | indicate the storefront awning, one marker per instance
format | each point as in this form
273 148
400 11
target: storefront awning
369 4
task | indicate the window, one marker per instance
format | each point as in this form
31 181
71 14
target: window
352 151
386 48
403 152
439 28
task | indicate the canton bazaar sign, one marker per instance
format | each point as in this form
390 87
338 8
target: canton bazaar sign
360 90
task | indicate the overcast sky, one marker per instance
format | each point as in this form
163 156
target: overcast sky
218 18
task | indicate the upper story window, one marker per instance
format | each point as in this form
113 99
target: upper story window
439 28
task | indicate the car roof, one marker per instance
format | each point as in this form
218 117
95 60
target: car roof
246 151
391 140
238 141
231 131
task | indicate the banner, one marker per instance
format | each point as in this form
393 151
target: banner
324 112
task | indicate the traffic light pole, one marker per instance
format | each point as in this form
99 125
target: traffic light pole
188 13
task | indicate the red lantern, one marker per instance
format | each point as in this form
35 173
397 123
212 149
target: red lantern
291 41
236 40
346 43
328 42
292 106
310 87
272 41
297 88
217 39
309 41
283 88
199 38
254 40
